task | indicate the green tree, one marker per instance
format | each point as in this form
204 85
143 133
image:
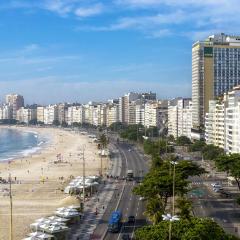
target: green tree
183 140
56 123
154 210
103 141
184 207
231 165
197 146
211 152
184 229
157 185
33 122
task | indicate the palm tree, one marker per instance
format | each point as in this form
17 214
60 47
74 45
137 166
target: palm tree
103 141
154 210
184 206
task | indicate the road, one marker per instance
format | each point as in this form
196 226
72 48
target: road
123 199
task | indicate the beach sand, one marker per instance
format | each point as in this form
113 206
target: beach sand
33 199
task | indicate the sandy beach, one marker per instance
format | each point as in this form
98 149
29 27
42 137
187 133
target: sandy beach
34 198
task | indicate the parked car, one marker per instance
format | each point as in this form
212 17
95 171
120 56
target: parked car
131 219
225 194
126 237
216 184
218 189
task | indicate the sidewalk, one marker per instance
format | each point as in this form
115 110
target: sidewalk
98 203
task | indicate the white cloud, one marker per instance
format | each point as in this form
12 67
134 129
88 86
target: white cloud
89 11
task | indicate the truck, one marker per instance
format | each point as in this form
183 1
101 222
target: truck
129 175
114 222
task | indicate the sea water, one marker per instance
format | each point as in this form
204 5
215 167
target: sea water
16 143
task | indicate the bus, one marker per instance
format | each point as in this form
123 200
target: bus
114 223
130 175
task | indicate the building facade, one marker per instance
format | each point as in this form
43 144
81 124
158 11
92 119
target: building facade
215 70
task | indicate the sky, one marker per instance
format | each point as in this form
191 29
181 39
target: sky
81 50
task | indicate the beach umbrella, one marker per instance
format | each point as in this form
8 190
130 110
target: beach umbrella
34 234
40 220
45 236
54 229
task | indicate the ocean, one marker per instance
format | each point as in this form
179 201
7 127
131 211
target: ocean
16 143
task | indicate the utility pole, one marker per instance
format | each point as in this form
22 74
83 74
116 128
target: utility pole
10 198
83 158
101 170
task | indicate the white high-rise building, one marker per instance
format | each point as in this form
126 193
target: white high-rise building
5 111
180 117
40 114
75 114
26 114
50 114
140 114
222 122
112 114
215 124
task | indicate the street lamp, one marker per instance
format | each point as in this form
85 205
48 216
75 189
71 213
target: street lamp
170 218
174 163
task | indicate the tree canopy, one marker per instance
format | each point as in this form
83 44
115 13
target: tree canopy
183 140
184 229
156 186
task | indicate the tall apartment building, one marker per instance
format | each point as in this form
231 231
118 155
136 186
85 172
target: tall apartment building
153 116
25 115
15 101
215 70
50 114
215 124
40 114
112 114
180 117
140 113
62 110
75 114
222 122
5 112
124 103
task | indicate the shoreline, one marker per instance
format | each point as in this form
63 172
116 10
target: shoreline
39 179
45 140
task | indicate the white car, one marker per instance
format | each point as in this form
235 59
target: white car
219 189
216 185
129 149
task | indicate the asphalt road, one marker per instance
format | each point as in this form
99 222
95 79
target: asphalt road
123 199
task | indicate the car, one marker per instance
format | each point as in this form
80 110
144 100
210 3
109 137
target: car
129 149
219 189
142 198
126 237
131 219
216 184
225 194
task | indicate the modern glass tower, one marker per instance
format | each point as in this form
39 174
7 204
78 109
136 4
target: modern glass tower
215 70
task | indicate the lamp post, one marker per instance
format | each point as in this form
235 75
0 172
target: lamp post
174 163
170 218
11 214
